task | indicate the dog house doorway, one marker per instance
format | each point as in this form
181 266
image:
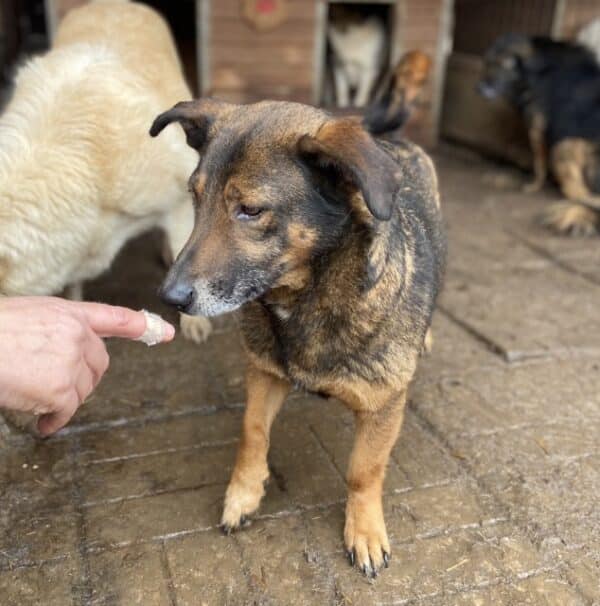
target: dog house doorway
350 25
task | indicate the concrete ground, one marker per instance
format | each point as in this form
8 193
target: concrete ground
492 491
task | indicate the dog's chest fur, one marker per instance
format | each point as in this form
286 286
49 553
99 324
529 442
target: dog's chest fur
342 329
357 47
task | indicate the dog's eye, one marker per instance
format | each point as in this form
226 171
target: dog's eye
245 213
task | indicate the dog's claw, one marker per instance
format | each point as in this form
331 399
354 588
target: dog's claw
226 529
369 571
351 556
386 559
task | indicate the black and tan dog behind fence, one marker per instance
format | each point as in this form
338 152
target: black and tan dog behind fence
332 244
556 87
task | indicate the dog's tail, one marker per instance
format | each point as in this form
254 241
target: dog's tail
393 108
389 113
572 219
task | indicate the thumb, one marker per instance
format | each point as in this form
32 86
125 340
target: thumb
50 423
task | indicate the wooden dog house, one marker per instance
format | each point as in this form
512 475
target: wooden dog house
251 49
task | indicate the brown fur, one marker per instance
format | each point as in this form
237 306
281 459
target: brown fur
410 77
537 141
400 94
575 164
345 261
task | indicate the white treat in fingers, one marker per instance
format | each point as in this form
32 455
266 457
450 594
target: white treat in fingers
155 329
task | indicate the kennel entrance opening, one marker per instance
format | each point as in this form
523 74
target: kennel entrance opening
386 11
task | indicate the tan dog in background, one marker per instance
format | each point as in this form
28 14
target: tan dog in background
79 176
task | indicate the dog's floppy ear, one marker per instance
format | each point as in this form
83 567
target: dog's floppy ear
195 118
521 49
345 145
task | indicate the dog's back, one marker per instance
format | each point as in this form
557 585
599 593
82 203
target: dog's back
78 174
137 34
565 80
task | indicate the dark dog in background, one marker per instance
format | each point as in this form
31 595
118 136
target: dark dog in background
401 92
331 243
556 87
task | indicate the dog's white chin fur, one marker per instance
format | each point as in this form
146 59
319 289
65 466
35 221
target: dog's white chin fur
207 304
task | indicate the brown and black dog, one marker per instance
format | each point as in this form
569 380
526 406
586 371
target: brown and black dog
556 87
401 93
332 244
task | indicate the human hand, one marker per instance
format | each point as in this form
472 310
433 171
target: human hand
52 355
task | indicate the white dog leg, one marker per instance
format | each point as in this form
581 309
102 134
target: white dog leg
342 88
74 292
365 86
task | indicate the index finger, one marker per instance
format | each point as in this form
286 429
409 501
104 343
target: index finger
114 321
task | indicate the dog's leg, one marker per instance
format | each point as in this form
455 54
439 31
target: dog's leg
342 87
573 218
265 396
74 292
363 92
178 225
537 141
365 535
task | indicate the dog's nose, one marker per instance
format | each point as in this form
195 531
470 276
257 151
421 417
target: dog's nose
178 294
485 89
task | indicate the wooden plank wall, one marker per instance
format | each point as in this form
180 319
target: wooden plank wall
479 22
420 25
246 64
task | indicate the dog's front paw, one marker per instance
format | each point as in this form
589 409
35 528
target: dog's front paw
241 499
570 219
365 536
195 328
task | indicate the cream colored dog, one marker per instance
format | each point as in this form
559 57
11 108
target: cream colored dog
79 175
358 48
